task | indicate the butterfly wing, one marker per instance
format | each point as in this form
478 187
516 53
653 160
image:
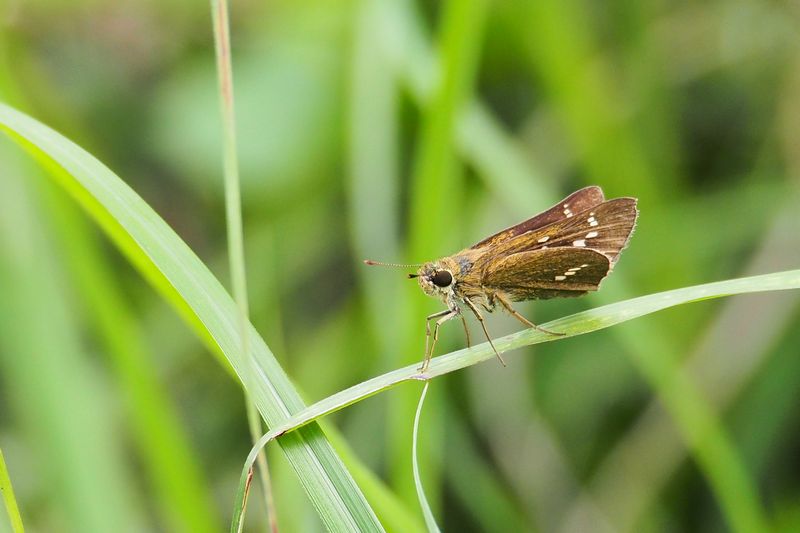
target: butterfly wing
605 228
564 210
549 273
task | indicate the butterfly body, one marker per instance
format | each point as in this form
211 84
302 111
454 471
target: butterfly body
565 251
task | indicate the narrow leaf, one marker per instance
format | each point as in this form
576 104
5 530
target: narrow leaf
8 497
175 271
577 324
430 521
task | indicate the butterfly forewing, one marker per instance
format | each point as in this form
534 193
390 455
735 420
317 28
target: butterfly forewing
605 228
564 210
547 273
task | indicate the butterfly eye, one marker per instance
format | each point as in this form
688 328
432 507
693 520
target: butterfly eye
443 278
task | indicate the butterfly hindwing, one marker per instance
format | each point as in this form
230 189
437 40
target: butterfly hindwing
547 273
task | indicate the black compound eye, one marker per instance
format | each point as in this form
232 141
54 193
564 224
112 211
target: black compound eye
443 278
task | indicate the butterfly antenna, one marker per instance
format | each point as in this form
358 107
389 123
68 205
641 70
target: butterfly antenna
398 265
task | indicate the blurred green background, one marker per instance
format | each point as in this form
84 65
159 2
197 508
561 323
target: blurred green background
403 131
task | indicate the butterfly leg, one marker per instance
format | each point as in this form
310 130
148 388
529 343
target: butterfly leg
505 303
479 316
466 330
443 317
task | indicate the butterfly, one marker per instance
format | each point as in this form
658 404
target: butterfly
563 252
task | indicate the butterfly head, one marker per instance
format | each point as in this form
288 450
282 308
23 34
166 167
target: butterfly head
436 278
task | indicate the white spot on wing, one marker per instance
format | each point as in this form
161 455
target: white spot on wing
544 239
575 269
592 223
569 273
591 234
579 243
561 278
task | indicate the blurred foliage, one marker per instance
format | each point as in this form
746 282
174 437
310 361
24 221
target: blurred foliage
690 106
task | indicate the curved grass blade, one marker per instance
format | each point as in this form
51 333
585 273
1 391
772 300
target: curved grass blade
577 324
430 521
176 272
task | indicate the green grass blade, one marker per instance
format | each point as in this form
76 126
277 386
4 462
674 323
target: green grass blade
430 521
233 218
8 497
168 263
395 515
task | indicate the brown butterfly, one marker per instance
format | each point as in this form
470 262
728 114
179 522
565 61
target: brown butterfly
565 251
